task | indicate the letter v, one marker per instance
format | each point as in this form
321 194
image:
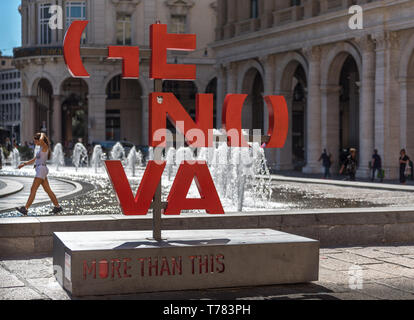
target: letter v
141 203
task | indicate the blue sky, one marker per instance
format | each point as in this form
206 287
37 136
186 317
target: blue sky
10 26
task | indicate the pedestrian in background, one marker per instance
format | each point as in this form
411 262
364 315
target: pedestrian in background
350 165
326 163
404 165
376 166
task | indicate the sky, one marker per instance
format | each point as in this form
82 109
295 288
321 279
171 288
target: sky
10 26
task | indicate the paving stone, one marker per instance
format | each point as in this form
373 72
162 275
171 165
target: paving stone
398 250
369 275
335 264
49 287
400 260
384 292
352 295
8 280
401 283
394 269
29 269
19 293
370 253
353 258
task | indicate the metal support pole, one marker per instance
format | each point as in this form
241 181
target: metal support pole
157 204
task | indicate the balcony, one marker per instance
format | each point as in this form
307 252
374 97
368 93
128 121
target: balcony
247 26
23 52
288 15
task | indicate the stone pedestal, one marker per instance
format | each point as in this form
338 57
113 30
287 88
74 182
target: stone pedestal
122 262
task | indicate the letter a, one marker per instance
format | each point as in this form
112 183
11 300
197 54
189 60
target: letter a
177 199
356 21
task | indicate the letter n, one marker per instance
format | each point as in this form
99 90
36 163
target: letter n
163 105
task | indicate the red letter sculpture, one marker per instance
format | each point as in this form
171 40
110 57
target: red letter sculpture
163 105
149 183
161 41
130 57
278 120
177 199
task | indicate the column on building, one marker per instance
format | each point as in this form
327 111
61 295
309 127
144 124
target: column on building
57 119
221 93
60 32
231 18
221 19
243 10
145 120
330 122
28 105
96 117
387 119
266 14
24 14
32 23
313 111
231 77
366 106
284 159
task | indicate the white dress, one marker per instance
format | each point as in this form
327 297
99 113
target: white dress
40 164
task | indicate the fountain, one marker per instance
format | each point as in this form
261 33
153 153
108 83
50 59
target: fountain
58 157
170 162
118 152
98 156
184 154
79 156
3 158
15 158
134 157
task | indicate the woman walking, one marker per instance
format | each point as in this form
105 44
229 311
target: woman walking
404 162
40 139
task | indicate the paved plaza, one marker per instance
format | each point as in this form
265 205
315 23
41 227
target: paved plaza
357 273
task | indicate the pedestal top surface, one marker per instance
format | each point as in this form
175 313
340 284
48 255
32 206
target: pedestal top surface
107 240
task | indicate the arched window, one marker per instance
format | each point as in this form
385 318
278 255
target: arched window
113 90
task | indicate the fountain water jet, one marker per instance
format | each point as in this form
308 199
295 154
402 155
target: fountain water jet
134 157
98 156
80 155
118 152
15 158
58 157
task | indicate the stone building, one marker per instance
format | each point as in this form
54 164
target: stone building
10 92
104 106
344 87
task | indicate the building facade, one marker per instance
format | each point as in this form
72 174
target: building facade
344 87
104 106
10 93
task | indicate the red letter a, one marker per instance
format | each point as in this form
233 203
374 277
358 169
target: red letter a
142 201
177 199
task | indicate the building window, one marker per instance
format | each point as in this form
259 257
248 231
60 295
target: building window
178 23
113 125
3 62
254 9
45 33
123 29
75 10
